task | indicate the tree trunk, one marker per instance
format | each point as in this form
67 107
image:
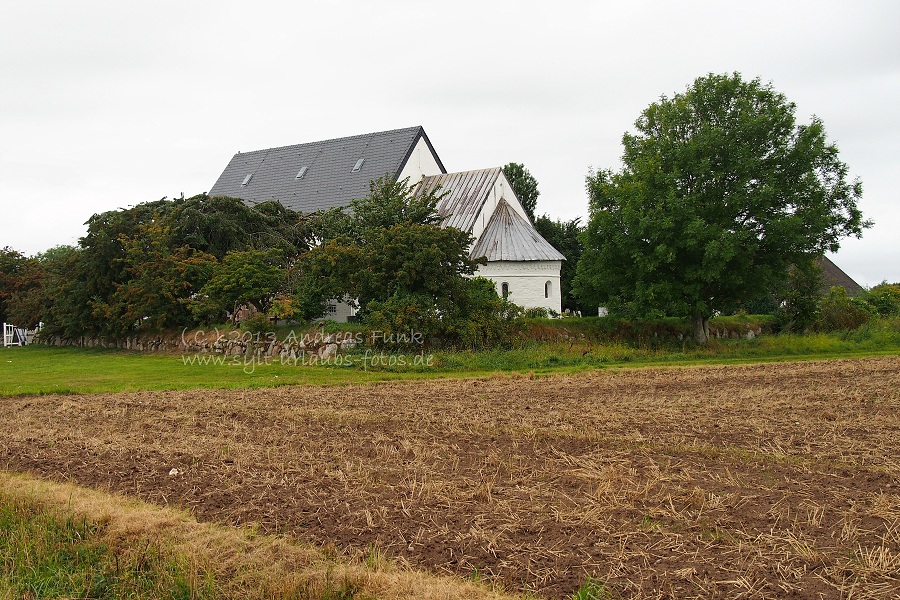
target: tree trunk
700 326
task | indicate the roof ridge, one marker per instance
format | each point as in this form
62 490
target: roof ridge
497 169
348 138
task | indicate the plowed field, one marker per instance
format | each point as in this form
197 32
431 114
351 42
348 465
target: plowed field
778 480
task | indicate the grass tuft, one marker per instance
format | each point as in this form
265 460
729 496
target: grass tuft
46 554
63 541
594 589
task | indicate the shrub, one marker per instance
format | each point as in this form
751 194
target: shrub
838 311
483 319
799 307
537 312
884 299
258 323
411 317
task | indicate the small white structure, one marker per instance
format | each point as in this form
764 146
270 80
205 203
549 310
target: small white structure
16 336
328 174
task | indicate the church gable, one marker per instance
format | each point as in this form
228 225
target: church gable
463 196
483 203
524 267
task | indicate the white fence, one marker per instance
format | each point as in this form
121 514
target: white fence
16 336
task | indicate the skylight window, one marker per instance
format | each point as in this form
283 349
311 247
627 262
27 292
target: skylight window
247 179
358 165
301 173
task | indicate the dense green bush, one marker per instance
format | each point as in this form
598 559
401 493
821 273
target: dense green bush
258 323
537 312
884 299
838 311
640 332
477 319
485 320
797 306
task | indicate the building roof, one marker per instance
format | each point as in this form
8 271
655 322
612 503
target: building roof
463 195
508 236
319 175
832 276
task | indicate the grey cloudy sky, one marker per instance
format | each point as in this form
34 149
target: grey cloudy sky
109 104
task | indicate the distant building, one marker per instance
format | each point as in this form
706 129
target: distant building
833 276
321 175
522 264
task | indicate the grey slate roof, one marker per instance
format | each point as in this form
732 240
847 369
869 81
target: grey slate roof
832 276
329 180
508 236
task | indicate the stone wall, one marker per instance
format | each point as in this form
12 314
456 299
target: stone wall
228 343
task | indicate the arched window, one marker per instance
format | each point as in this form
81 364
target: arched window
504 290
548 289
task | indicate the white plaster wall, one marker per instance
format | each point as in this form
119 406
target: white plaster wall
526 281
501 190
421 163
342 311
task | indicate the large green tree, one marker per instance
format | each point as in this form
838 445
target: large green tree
246 277
720 192
565 236
389 244
160 279
58 295
390 256
137 268
218 225
524 185
24 295
13 264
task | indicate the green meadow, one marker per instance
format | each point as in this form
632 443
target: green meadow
47 370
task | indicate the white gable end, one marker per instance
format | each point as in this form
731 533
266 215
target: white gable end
421 163
502 190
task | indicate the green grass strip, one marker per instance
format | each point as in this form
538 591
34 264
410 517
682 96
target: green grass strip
37 370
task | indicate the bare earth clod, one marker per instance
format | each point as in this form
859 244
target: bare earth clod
778 480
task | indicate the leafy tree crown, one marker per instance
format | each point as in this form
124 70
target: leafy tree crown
524 185
720 193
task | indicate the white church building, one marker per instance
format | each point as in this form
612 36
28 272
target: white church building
321 175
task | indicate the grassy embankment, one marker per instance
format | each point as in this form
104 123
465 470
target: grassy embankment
62 541
565 346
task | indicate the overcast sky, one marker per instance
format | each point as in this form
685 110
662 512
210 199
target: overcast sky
109 104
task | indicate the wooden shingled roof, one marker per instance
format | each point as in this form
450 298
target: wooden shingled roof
507 234
463 195
510 237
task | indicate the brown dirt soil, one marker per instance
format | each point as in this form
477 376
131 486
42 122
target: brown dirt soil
775 481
